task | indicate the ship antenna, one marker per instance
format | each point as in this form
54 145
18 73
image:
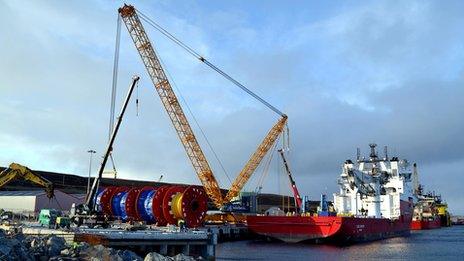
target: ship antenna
415 180
373 153
385 150
358 154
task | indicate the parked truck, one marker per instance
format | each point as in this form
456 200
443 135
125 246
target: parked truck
53 218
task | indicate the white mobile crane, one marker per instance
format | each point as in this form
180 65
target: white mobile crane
87 212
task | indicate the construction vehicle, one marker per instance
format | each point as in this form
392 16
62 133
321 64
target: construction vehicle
53 218
17 171
296 193
87 213
131 19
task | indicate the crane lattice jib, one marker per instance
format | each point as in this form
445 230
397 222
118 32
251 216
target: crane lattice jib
171 103
255 159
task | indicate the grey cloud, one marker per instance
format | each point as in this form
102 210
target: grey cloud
326 77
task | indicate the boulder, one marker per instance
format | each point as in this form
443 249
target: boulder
58 258
36 242
99 252
182 257
153 256
55 245
13 249
128 255
4 249
65 252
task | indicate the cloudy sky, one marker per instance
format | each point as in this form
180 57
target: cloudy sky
346 73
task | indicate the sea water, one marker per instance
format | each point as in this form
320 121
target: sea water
436 244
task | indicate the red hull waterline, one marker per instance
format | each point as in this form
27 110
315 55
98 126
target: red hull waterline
295 229
425 224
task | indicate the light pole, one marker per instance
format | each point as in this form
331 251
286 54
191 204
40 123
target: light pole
90 168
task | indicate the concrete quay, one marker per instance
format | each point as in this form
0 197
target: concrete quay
164 240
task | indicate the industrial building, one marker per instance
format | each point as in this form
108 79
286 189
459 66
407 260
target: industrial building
30 202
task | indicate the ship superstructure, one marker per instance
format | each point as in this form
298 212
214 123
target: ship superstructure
374 187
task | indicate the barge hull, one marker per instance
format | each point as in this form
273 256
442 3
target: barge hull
293 229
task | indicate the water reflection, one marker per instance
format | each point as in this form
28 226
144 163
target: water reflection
447 243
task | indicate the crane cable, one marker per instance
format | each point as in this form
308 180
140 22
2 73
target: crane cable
115 76
114 85
265 172
202 59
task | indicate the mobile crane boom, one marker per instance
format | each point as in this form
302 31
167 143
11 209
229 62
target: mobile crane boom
90 199
296 193
16 170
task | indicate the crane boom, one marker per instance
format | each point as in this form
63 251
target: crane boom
255 159
16 170
171 103
90 199
296 193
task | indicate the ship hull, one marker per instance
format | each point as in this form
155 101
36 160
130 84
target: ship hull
426 224
445 220
337 230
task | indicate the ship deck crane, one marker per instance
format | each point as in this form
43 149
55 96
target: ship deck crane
15 171
359 179
296 193
170 102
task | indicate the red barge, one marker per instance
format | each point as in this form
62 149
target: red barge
294 229
375 202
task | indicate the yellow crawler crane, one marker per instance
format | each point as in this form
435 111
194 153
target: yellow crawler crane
153 65
16 171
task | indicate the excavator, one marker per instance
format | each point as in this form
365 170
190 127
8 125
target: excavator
17 171
132 20
48 217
